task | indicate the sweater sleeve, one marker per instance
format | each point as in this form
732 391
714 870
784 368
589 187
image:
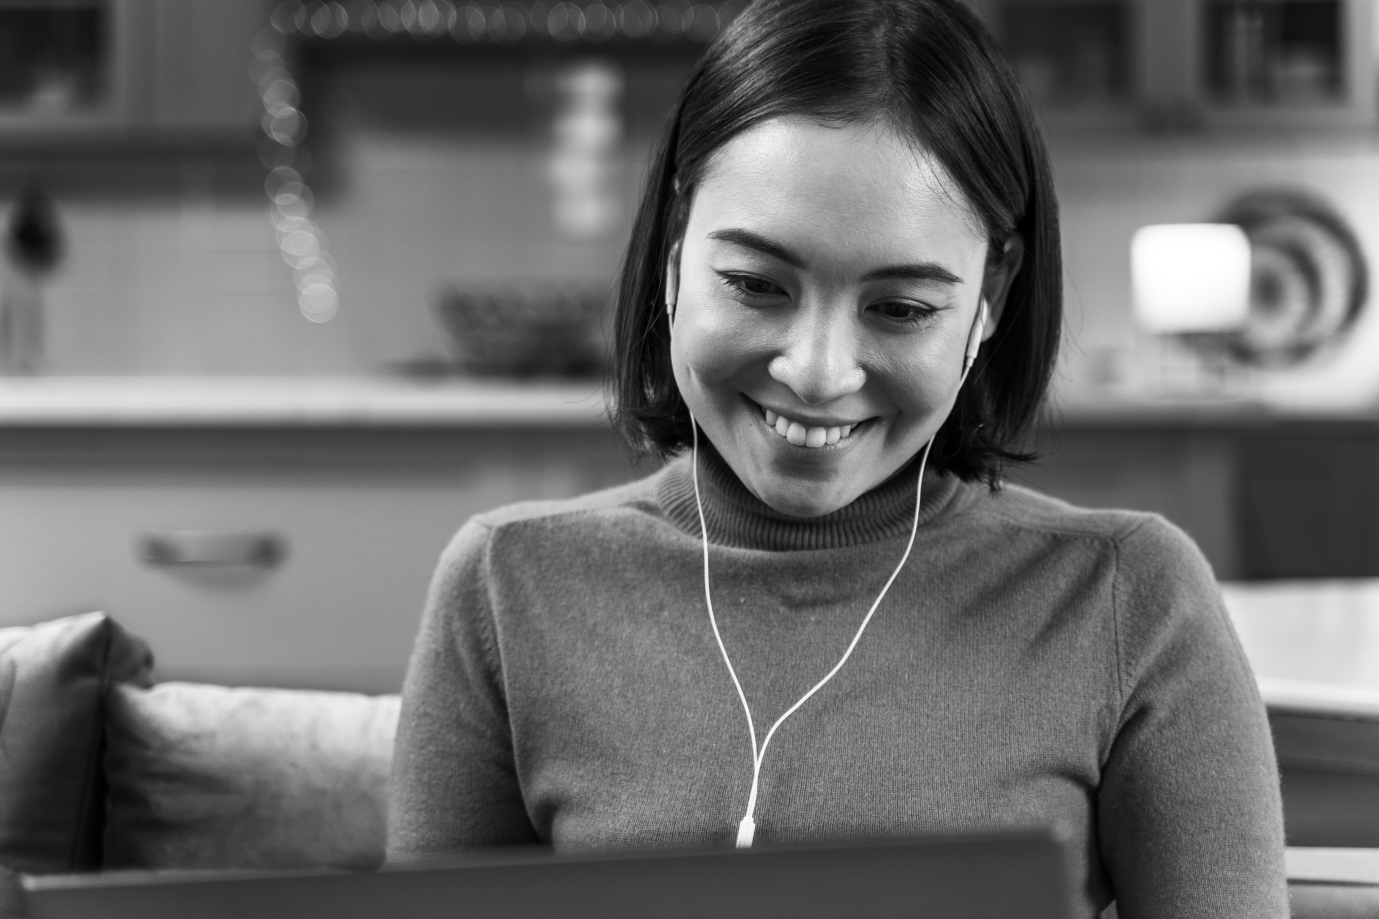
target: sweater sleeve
454 784
1190 820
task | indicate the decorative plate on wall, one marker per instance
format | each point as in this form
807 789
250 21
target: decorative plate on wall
1308 285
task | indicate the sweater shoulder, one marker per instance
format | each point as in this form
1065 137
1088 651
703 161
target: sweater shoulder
635 497
1142 541
1026 508
1165 605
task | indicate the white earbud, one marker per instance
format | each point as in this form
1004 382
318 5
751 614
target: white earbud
672 283
974 341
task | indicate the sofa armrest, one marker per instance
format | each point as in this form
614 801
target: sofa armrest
53 682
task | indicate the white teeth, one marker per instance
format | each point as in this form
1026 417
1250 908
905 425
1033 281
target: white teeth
802 436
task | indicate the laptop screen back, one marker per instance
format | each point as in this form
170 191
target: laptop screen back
966 878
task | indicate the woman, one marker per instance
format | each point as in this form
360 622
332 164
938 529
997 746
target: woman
839 311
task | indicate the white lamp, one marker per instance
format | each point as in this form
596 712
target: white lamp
1190 277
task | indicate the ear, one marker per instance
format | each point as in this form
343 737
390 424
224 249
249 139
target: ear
1000 274
672 281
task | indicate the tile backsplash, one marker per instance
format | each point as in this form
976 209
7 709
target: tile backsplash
428 173
195 284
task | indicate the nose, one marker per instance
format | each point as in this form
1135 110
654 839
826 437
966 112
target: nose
819 358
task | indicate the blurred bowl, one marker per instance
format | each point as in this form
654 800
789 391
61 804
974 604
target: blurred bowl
525 331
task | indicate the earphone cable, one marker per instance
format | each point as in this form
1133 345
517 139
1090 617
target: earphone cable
746 830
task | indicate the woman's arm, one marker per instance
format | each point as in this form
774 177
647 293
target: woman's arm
1190 819
454 785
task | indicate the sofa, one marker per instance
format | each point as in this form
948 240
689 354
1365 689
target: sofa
102 768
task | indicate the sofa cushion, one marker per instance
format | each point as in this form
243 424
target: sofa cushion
210 777
53 680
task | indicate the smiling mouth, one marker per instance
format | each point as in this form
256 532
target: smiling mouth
802 435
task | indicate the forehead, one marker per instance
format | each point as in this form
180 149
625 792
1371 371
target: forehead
865 184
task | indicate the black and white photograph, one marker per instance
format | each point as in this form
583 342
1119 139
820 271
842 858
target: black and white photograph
692 459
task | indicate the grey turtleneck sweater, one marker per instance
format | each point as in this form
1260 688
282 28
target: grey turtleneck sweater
1033 664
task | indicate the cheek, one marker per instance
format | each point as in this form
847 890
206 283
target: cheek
715 341
921 379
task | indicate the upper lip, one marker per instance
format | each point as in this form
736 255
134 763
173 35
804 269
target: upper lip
808 420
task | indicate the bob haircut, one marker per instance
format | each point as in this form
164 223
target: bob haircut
927 68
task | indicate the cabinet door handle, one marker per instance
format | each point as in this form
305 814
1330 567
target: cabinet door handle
212 547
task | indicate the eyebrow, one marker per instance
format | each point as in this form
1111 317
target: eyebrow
918 271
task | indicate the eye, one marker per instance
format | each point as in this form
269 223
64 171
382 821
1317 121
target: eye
899 311
751 286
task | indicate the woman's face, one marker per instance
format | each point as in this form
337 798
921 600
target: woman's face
828 283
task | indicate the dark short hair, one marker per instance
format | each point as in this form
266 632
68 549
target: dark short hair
926 67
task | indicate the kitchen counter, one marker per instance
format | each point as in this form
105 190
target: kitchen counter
327 402
1314 645
1131 412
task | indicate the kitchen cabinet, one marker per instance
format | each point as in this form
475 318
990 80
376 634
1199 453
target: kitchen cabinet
201 66
128 70
73 69
1185 65
358 486
361 518
1265 496
1308 501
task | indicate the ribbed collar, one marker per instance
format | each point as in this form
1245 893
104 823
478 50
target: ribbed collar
739 519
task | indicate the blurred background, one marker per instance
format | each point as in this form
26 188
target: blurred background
289 290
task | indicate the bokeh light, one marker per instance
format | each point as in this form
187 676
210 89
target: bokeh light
589 21
300 241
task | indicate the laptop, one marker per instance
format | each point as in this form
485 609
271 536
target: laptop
977 877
